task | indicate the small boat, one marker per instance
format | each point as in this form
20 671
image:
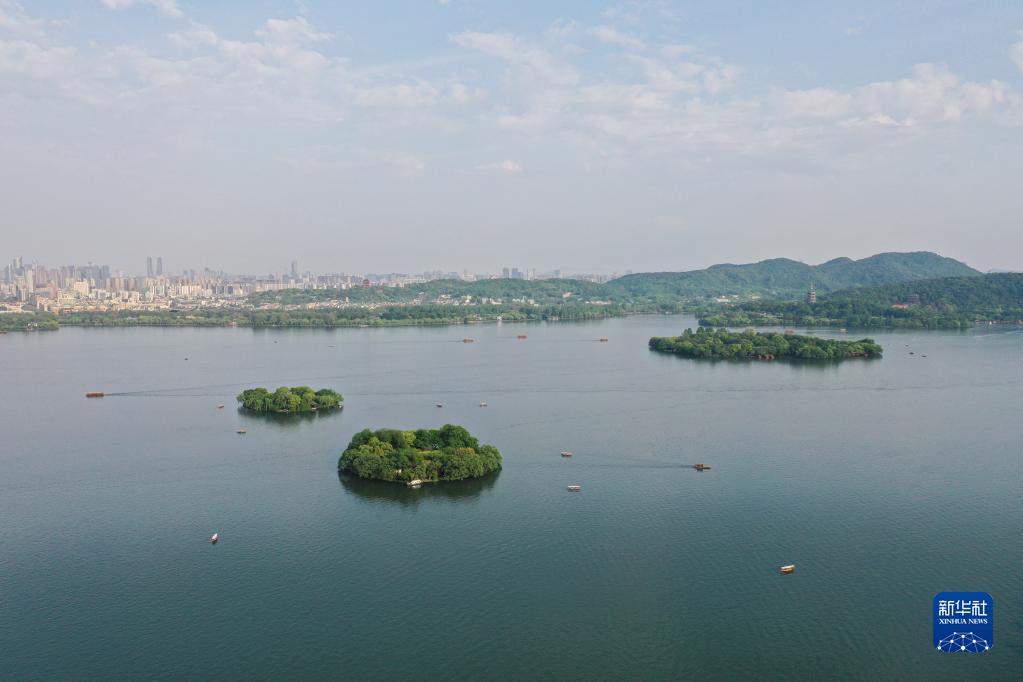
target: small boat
521 337
701 467
468 340
214 538
483 404
240 431
415 483
440 405
788 569
575 488
912 353
94 394
220 407
603 339
566 454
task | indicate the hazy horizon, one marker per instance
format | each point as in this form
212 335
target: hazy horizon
473 135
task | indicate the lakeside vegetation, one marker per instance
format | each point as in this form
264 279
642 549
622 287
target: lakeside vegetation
721 344
28 322
449 453
450 302
382 316
943 303
289 400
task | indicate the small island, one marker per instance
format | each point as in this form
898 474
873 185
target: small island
289 400
721 344
449 453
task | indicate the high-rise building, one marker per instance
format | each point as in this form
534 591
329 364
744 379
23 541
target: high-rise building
505 273
159 266
149 266
294 269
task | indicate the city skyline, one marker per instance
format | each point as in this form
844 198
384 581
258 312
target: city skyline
660 136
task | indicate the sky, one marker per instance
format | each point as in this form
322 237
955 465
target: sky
475 134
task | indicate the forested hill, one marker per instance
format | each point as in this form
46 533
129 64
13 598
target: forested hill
779 278
947 302
996 290
785 278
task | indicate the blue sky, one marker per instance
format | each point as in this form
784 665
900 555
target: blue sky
403 136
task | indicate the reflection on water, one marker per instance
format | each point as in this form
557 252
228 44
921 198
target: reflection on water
288 420
384 491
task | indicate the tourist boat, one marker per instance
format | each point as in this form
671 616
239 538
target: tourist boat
483 404
575 488
566 454
94 394
415 483
240 431
788 569
214 538
701 467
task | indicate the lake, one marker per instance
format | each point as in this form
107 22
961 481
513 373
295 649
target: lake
884 481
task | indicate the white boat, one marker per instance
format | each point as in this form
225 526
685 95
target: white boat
241 431
575 488
415 483
214 538
788 569
483 404
566 453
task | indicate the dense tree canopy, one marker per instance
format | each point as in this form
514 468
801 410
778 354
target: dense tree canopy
449 453
944 303
284 399
749 345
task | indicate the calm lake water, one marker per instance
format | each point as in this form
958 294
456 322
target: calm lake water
885 482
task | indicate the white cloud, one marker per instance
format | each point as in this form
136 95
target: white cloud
609 34
536 60
1017 52
25 58
507 167
167 8
401 95
288 32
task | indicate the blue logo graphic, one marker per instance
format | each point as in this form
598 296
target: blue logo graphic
964 622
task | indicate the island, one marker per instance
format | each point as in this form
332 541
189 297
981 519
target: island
721 344
289 400
449 453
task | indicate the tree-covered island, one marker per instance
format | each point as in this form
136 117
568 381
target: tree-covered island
449 453
289 400
721 344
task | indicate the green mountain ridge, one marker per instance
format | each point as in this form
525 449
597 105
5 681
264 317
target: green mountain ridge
784 277
944 302
776 277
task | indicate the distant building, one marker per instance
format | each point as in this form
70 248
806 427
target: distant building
159 266
294 269
506 273
149 266
811 295
913 299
